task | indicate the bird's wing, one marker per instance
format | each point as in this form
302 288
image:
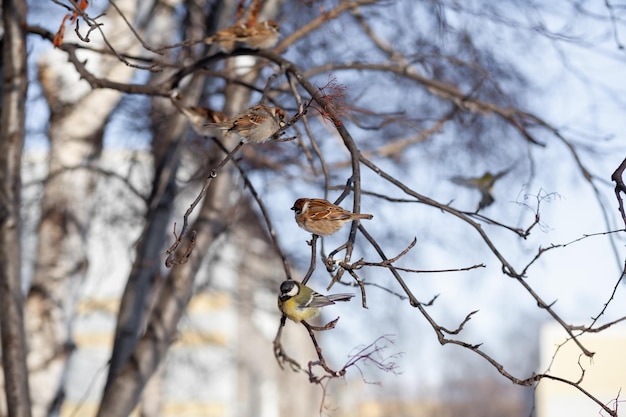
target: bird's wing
327 213
464 181
502 173
319 300
248 120
319 212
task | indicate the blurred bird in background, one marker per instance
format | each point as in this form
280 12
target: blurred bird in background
203 120
262 35
484 184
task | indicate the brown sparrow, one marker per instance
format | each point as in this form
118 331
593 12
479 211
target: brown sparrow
256 124
262 35
322 217
201 116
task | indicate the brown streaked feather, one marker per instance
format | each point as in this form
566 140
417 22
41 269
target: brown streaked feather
319 212
208 115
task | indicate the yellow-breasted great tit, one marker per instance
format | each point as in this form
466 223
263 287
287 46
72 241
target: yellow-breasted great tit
299 302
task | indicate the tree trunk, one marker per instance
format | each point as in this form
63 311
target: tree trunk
78 117
144 282
11 142
123 392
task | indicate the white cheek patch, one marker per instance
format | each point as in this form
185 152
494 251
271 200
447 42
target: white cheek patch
293 291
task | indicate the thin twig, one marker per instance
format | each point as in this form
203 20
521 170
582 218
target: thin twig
313 244
170 260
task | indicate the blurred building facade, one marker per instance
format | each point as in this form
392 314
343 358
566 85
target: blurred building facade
222 364
603 375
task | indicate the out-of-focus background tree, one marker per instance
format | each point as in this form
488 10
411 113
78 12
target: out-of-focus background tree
484 138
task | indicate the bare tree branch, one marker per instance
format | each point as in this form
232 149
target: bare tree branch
12 112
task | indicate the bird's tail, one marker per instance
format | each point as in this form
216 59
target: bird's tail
340 297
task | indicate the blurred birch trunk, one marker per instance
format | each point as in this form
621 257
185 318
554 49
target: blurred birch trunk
78 116
143 292
152 305
12 114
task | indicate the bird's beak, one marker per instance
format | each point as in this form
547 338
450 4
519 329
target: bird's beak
293 208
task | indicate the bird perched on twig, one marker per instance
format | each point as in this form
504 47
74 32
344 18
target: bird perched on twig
256 124
484 184
322 217
299 302
262 35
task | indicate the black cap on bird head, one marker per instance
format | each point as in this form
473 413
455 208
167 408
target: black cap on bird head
289 288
